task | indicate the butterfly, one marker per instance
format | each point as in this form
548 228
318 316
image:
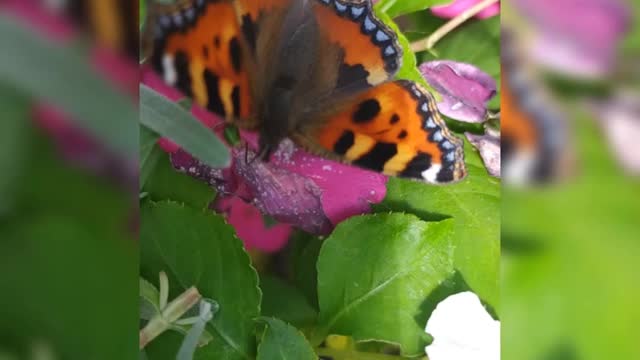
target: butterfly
319 72
535 146
110 23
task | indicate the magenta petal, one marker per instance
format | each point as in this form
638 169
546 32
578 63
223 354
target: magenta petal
489 147
346 190
48 24
583 44
284 195
465 89
457 7
250 227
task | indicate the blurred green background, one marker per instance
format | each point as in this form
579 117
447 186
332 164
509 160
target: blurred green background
68 254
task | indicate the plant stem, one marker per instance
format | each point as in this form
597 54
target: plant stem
174 311
430 41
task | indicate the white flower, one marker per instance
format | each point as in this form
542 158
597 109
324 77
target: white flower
463 329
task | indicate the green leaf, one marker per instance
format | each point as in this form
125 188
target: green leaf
197 248
170 120
149 154
400 261
282 341
70 284
15 136
60 75
474 205
581 256
166 183
285 302
305 249
150 297
49 185
395 8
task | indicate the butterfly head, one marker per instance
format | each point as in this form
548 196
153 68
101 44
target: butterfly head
275 115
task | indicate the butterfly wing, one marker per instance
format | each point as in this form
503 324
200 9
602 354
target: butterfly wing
534 138
393 128
369 50
196 48
113 24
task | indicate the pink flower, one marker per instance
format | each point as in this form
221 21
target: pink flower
465 89
583 44
294 187
489 147
457 7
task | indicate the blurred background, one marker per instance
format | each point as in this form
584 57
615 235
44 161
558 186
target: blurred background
68 180
570 118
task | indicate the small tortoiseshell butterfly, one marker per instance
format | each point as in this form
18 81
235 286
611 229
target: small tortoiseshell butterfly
316 71
534 135
111 23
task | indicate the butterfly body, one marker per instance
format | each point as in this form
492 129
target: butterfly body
316 71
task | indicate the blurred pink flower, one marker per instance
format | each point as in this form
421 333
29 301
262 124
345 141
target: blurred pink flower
456 7
294 187
619 118
465 89
32 12
583 44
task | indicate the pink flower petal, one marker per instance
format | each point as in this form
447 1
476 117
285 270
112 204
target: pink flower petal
459 6
250 226
465 89
489 147
583 44
286 196
39 18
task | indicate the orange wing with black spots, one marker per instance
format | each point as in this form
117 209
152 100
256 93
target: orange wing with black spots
196 48
371 53
395 128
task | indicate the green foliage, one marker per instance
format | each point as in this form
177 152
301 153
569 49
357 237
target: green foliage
149 154
285 302
171 120
66 78
57 250
165 183
474 206
14 143
395 8
571 252
283 342
197 248
401 260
